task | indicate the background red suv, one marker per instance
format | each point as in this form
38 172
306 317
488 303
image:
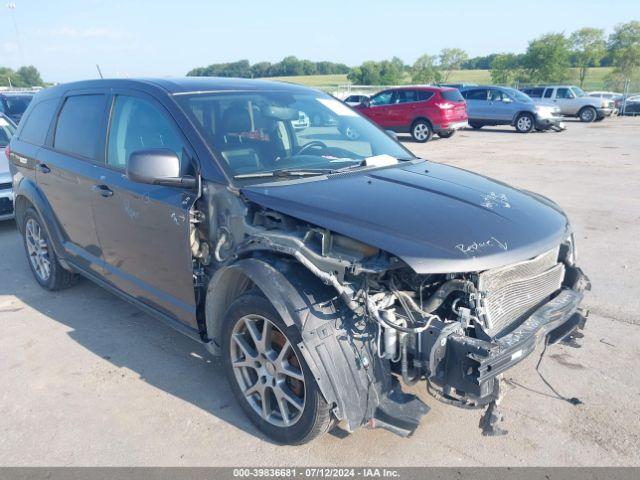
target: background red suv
420 111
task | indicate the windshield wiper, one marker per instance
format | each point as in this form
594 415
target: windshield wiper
286 172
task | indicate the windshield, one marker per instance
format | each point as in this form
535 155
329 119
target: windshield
269 131
17 104
6 131
578 92
518 95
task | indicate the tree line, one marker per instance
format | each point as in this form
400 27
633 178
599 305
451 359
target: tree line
548 58
288 66
27 76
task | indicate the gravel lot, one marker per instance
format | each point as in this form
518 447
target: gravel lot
86 379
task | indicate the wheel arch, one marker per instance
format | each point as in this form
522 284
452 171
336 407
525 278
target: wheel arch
28 195
421 117
301 299
521 112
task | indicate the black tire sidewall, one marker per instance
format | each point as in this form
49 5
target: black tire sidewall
307 426
447 134
593 116
421 122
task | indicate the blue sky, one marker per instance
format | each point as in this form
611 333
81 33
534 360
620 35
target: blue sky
66 38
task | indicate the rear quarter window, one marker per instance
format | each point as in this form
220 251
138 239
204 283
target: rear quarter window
79 123
36 125
452 95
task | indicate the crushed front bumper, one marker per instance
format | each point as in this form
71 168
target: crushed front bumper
472 365
545 123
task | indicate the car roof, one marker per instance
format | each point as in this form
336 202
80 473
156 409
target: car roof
176 86
16 94
475 87
427 88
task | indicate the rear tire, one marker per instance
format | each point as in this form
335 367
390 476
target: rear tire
475 126
261 367
525 123
447 134
43 261
588 114
421 131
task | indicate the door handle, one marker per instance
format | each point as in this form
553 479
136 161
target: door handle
42 168
103 190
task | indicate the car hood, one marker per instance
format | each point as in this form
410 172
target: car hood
436 218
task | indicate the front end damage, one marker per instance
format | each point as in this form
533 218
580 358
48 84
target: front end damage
369 320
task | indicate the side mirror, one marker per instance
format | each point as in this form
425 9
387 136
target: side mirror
506 99
159 166
392 134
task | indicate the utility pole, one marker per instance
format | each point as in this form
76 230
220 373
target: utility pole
12 9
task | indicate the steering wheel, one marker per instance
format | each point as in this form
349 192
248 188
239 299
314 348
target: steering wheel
310 145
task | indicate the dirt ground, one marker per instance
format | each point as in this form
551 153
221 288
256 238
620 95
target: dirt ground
86 379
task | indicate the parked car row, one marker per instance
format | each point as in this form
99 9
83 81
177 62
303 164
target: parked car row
424 111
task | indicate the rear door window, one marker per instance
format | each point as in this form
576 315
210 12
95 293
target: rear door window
477 94
548 93
406 96
36 125
79 125
452 96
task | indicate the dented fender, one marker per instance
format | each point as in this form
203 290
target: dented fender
346 370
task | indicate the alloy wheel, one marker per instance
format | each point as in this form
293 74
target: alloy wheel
421 131
524 123
38 250
267 370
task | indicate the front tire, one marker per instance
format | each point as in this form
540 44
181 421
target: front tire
588 114
421 131
475 126
525 123
43 261
268 374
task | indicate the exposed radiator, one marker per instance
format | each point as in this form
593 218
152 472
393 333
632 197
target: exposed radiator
512 291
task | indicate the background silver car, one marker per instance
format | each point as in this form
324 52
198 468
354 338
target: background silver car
7 129
491 105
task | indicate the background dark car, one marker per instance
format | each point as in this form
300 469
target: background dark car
13 104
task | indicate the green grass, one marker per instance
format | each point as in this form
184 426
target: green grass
594 81
314 80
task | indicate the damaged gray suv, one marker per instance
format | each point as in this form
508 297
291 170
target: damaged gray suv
326 265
